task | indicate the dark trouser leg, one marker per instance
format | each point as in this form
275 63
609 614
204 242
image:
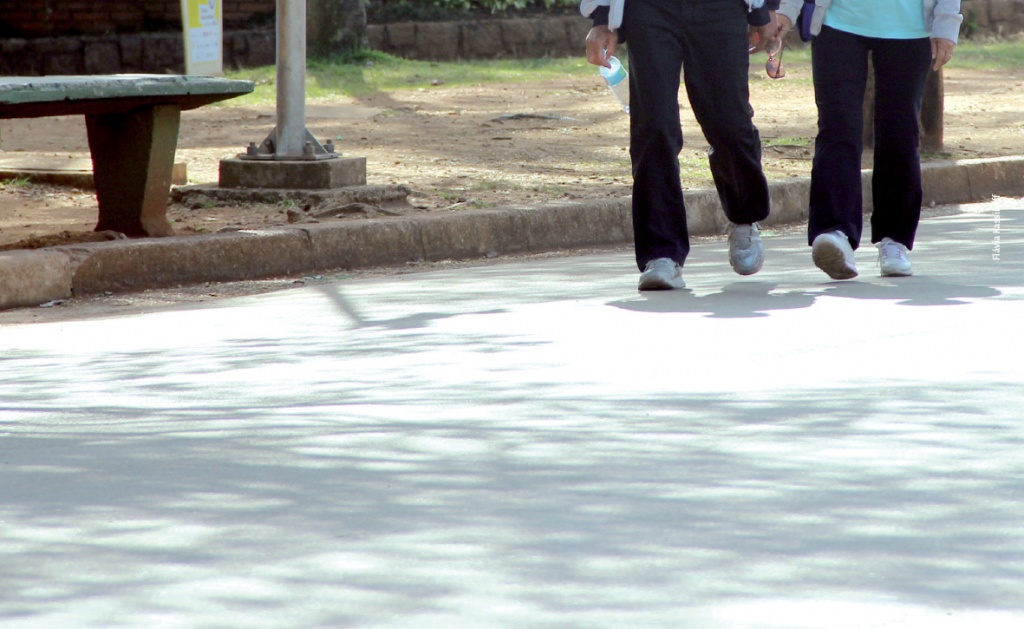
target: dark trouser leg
715 69
709 39
655 137
840 67
901 70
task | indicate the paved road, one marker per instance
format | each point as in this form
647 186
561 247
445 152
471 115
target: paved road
534 444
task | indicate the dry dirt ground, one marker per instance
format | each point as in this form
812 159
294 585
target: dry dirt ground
466 147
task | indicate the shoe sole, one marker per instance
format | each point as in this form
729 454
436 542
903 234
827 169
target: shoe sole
658 283
830 259
907 273
742 269
747 270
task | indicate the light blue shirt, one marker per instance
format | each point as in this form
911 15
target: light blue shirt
885 19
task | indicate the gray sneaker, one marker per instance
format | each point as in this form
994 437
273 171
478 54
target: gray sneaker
746 251
661 274
833 254
893 258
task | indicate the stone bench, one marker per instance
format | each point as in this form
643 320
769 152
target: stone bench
132 123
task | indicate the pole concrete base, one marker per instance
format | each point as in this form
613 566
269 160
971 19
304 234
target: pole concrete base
314 174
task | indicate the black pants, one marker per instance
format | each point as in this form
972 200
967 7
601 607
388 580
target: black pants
707 40
901 67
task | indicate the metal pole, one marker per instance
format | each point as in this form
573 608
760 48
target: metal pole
290 140
291 78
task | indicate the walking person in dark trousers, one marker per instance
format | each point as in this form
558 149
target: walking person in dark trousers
906 39
706 40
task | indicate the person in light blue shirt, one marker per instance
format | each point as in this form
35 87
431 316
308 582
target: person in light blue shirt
906 39
904 19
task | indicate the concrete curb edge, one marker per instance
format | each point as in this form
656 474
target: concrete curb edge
31 278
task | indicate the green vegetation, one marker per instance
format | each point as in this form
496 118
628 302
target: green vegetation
991 54
788 141
368 72
976 54
694 171
18 182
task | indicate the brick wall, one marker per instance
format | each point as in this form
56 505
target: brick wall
51 18
992 17
163 51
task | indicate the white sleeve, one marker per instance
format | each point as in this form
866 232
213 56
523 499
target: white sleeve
587 6
946 20
614 14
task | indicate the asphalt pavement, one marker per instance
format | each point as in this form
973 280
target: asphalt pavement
535 444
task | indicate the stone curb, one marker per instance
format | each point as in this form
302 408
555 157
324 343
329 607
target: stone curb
31 278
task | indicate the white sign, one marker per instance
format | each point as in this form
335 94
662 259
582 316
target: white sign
204 37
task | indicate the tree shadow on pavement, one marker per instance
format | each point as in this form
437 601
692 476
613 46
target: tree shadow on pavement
737 300
332 500
759 299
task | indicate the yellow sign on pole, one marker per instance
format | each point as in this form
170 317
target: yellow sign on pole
204 37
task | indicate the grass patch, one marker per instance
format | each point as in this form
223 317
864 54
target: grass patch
788 141
16 182
369 72
976 54
973 54
990 54
490 185
694 170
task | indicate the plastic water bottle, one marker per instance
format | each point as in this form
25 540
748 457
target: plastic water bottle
618 81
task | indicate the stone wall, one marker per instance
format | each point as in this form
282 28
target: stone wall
484 39
164 52
50 18
156 53
27 19
992 17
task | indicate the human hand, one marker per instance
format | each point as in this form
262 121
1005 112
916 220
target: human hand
942 52
601 44
758 36
785 25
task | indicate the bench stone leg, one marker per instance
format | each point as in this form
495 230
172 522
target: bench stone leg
132 160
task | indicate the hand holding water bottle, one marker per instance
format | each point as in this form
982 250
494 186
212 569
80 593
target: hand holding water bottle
602 43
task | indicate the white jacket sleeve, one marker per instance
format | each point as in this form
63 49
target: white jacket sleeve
791 9
587 6
944 19
615 10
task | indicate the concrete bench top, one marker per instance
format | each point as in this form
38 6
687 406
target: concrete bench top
132 122
41 96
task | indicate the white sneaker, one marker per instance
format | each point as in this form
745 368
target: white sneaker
893 258
662 274
746 251
833 254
